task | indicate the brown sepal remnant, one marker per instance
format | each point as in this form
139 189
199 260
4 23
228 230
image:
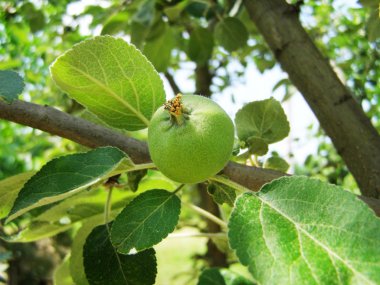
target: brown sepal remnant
174 106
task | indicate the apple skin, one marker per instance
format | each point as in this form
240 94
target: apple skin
196 149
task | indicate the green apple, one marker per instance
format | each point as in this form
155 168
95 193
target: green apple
190 138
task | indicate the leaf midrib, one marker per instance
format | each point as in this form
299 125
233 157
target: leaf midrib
113 94
143 221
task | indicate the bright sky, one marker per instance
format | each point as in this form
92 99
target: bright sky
257 86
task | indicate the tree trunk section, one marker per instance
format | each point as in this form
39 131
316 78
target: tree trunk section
339 114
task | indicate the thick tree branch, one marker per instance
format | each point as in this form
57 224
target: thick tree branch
342 118
55 122
58 123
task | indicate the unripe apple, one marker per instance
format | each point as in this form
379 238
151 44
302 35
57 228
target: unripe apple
190 138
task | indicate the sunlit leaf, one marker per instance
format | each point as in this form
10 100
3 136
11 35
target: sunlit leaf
66 176
9 189
304 231
112 79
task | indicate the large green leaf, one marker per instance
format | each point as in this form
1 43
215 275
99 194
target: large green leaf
11 85
84 207
231 34
112 79
303 231
65 176
262 119
158 50
144 222
104 266
9 189
201 44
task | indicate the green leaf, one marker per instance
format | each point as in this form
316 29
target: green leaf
86 206
257 146
231 34
276 163
104 266
139 33
35 18
211 276
201 44
262 119
76 259
116 23
145 13
147 220
222 193
134 178
158 50
62 273
157 29
65 176
198 9
156 180
232 278
174 12
11 85
112 79
221 276
304 231
9 189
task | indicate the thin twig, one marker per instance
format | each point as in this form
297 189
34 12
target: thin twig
178 188
206 214
173 84
107 208
191 235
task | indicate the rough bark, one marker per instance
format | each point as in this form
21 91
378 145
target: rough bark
91 135
342 118
78 130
